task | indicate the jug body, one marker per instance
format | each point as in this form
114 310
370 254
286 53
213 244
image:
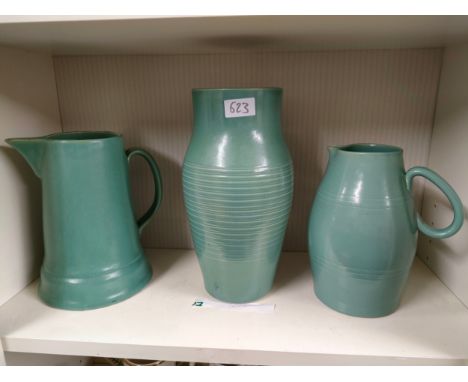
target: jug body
93 255
363 230
238 183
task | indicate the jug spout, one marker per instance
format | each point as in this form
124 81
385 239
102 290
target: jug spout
32 149
332 150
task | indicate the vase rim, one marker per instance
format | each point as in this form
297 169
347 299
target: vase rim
272 88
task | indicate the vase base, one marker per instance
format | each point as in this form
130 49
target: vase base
238 281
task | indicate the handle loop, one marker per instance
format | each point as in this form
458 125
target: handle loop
452 197
142 221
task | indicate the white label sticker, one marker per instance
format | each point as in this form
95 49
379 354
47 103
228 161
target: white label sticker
206 303
242 107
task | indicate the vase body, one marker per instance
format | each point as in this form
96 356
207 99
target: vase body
93 255
238 184
363 230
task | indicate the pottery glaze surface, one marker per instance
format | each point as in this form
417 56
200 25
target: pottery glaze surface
363 228
238 183
93 255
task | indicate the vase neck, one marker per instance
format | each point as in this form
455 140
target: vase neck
250 142
233 109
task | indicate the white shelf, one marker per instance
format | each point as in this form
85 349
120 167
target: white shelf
430 327
176 35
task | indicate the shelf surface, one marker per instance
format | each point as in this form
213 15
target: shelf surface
430 326
220 34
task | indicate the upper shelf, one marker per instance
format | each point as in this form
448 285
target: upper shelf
429 327
165 35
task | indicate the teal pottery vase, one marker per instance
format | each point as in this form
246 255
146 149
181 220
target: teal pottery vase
93 255
238 184
363 228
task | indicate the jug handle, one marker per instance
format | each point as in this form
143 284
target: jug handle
452 197
142 221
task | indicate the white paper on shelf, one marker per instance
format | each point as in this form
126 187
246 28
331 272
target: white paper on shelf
201 303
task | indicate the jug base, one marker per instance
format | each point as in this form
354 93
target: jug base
346 308
105 289
361 292
238 282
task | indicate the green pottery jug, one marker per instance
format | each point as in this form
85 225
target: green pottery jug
93 256
238 184
363 228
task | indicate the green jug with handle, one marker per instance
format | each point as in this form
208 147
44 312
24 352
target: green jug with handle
93 257
363 228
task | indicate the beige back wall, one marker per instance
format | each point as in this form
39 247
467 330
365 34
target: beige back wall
338 97
28 108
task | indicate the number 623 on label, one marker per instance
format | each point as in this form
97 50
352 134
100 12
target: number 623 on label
242 107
